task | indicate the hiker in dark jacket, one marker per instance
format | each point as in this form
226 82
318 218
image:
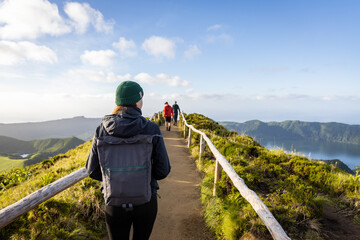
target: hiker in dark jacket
176 110
126 121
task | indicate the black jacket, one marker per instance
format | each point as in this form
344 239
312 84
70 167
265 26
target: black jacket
176 108
129 124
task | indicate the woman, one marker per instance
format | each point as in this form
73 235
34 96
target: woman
126 122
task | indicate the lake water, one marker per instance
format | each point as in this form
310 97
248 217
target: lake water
347 153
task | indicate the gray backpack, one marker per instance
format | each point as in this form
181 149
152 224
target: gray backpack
126 169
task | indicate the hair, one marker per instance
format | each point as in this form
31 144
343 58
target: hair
166 103
122 108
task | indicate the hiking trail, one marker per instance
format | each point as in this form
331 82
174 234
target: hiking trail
179 214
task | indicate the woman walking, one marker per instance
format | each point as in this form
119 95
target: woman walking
121 142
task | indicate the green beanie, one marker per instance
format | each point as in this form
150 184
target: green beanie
127 93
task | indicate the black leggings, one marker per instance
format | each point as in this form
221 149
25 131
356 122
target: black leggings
119 221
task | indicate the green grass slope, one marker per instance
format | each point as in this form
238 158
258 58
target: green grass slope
75 213
293 187
38 150
7 163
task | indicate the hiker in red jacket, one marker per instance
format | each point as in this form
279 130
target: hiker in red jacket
168 113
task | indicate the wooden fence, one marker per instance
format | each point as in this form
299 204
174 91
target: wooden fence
15 210
275 229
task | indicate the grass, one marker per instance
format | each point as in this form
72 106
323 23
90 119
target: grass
7 163
75 213
292 186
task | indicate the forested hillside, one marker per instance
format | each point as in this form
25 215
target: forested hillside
297 130
14 152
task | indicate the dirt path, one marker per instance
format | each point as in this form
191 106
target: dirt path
337 226
179 215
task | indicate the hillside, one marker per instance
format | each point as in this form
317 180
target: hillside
75 213
298 130
298 192
301 193
339 164
80 127
34 151
13 145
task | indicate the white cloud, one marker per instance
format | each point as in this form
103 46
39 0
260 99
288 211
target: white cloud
208 96
11 75
54 105
281 97
346 98
82 15
101 58
16 52
30 19
226 38
192 52
159 47
126 47
98 76
171 96
214 27
161 79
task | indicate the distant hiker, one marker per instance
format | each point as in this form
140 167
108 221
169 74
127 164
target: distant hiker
176 110
128 155
168 113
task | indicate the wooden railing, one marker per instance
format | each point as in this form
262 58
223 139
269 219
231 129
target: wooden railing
265 215
15 210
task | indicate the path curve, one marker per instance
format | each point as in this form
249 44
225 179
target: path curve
179 216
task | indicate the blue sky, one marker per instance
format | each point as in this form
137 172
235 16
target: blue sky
229 60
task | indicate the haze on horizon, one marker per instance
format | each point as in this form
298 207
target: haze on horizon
230 60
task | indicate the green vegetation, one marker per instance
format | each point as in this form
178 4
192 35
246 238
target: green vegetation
291 186
37 150
75 213
297 130
339 164
7 163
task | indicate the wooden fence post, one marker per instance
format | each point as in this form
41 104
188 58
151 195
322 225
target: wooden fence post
184 131
190 135
202 148
218 170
